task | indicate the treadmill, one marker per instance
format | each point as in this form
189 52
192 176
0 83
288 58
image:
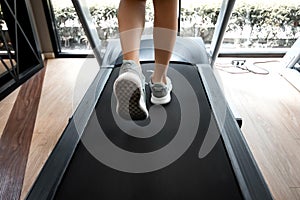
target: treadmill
191 148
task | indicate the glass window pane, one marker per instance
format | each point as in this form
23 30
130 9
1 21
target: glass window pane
265 24
71 35
254 24
198 18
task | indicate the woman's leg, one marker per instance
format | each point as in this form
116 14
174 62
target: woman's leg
131 18
165 31
129 87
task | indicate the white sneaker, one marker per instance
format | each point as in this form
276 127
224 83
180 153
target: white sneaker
161 93
129 89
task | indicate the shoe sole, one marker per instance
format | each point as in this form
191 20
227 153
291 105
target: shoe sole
128 92
159 101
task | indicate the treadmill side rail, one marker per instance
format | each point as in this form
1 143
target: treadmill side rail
247 172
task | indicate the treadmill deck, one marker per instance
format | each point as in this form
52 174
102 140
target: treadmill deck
158 158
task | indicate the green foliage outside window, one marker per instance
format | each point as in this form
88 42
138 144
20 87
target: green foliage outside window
250 26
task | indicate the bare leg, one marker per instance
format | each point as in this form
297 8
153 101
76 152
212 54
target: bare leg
129 87
165 30
131 18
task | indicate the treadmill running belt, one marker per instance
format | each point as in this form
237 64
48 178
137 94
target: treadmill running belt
169 166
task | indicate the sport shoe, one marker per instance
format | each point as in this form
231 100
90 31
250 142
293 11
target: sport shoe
161 92
129 89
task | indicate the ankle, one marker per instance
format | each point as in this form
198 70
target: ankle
156 79
136 63
159 75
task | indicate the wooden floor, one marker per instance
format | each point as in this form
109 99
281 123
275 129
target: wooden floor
8 64
268 104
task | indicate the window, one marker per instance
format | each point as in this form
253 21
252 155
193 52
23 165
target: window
254 24
198 18
69 33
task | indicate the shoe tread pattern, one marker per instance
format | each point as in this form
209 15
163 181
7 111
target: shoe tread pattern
128 95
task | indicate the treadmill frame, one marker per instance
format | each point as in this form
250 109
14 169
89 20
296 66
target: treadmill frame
249 177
